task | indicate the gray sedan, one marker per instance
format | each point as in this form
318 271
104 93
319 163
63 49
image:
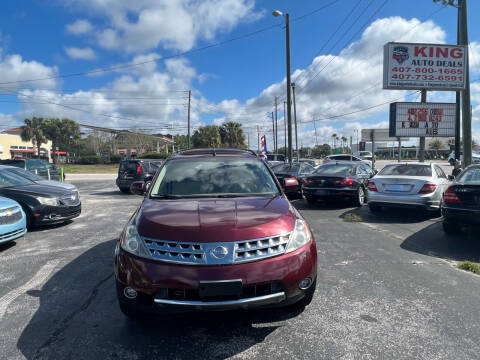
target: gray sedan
409 185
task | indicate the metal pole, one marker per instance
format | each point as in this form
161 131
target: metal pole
466 106
295 119
276 125
399 149
289 100
315 127
273 134
373 149
421 155
189 104
458 98
285 123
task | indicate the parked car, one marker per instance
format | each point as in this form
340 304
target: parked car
12 220
133 170
461 201
37 179
39 167
312 162
214 232
345 179
345 157
275 159
42 204
410 185
475 157
292 175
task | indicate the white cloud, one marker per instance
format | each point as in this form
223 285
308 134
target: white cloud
474 57
80 27
80 53
142 25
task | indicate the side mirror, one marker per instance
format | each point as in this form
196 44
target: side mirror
451 177
137 188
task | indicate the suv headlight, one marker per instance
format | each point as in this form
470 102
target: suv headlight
132 243
47 201
299 237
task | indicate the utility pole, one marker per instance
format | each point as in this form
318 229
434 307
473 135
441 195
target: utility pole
295 118
285 123
273 134
276 124
189 105
466 106
421 155
315 127
458 98
289 100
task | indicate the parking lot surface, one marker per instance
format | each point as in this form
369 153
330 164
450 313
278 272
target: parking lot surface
387 288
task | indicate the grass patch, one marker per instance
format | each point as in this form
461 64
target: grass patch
352 218
469 266
90 169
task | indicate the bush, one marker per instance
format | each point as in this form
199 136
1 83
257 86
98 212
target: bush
115 159
152 156
90 160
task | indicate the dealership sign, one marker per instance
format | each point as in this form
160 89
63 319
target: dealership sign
424 66
408 119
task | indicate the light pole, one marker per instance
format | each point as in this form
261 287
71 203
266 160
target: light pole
278 13
462 39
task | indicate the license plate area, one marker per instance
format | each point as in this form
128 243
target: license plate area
398 188
220 288
321 192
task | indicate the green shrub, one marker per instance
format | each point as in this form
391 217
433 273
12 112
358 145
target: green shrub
152 156
90 160
115 159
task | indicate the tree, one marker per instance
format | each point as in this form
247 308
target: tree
436 145
34 130
334 136
231 134
344 142
207 136
321 151
63 133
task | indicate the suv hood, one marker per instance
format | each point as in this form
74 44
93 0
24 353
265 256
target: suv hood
215 220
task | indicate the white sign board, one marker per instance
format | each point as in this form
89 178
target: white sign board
409 119
424 66
378 135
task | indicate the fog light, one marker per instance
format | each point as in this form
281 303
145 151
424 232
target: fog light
305 284
129 293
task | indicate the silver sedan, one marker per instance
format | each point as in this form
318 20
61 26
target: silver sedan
409 185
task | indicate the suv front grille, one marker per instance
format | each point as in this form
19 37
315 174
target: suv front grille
216 253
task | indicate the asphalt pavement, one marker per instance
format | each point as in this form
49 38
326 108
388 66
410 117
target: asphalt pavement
387 289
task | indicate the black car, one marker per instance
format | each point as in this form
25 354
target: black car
338 179
37 166
134 170
461 201
293 173
42 204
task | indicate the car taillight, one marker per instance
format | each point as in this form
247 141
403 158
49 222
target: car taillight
427 188
450 196
139 169
344 182
292 181
308 181
372 186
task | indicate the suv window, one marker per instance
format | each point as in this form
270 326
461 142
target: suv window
214 177
342 157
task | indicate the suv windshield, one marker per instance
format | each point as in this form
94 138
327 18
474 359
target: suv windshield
407 170
26 174
8 178
214 177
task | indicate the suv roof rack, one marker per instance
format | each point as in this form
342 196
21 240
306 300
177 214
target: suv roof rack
214 151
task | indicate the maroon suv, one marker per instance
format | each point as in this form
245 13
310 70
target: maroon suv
215 232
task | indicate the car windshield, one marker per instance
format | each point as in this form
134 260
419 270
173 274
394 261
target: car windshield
471 176
287 168
334 170
26 174
7 179
407 170
214 177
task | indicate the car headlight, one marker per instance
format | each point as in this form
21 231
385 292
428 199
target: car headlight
47 201
132 243
299 237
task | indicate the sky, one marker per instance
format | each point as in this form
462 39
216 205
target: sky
130 64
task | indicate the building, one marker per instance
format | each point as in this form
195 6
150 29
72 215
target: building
12 146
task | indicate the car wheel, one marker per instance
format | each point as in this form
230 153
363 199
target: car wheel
451 227
307 299
359 200
28 217
310 200
374 208
124 190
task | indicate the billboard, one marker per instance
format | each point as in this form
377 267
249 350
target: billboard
408 119
424 66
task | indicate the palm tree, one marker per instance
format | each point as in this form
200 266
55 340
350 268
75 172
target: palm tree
207 136
231 134
34 130
344 142
334 136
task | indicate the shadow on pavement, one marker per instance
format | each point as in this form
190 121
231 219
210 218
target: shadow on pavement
331 204
51 226
7 245
433 241
111 193
391 215
79 318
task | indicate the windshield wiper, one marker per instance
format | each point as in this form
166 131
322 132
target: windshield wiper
166 196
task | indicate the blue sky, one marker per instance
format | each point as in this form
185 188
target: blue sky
237 80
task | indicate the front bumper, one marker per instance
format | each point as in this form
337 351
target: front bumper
152 280
459 215
429 202
319 192
13 231
56 214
